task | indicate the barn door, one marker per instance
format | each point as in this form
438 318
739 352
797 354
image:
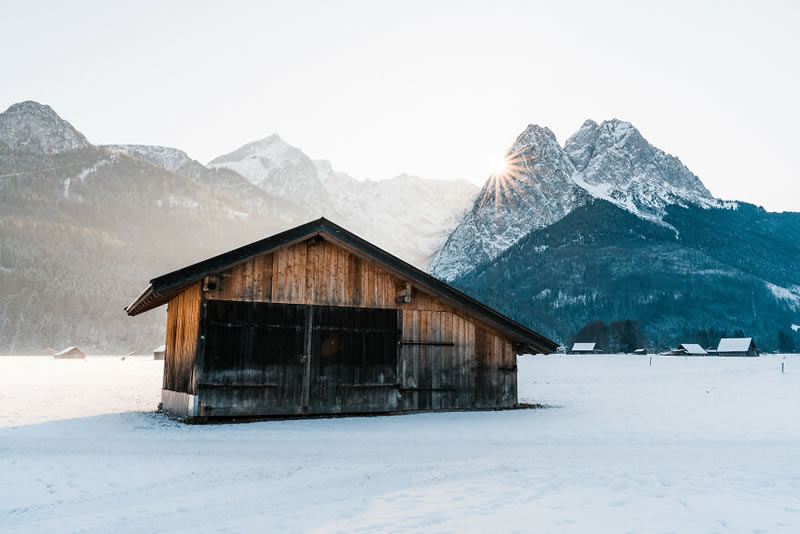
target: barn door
353 364
254 356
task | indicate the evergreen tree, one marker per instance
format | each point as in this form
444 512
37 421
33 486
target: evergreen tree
628 339
785 343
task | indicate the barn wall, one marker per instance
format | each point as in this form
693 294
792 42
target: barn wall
183 323
446 360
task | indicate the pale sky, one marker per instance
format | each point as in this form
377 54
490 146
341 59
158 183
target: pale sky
437 89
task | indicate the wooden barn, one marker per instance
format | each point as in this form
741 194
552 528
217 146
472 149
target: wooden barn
737 346
159 352
316 320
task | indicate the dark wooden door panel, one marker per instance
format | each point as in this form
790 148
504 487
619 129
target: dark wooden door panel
253 355
353 359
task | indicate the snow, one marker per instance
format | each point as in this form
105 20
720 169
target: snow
791 296
168 158
583 346
795 327
624 447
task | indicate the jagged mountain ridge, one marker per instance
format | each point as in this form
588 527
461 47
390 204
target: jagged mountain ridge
545 181
614 162
536 192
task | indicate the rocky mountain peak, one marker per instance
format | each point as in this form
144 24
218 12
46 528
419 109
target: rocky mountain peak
535 191
613 161
271 148
34 127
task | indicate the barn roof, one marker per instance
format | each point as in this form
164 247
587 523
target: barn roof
734 344
692 348
68 350
584 346
163 288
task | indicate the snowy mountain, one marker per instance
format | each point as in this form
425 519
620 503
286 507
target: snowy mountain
536 191
407 215
33 127
614 162
545 182
277 168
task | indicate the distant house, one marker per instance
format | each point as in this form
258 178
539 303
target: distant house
158 352
70 353
689 349
737 346
584 348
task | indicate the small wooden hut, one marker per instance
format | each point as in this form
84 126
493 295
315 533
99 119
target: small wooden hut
316 320
158 352
70 353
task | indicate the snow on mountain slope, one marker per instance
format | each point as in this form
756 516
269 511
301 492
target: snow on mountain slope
610 161
168 158
536 191
614 162
33 127
279 169
408 216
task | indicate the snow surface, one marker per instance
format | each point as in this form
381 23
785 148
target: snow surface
625 447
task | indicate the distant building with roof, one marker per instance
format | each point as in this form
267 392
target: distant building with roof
737 346
584 348
70 353
689 349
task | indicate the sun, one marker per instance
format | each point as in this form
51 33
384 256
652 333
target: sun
500 166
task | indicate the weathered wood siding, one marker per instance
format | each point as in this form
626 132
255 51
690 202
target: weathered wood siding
183 324
444 359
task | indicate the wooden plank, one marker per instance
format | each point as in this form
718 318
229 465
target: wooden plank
307 355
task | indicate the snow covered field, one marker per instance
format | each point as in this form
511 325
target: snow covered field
687 445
